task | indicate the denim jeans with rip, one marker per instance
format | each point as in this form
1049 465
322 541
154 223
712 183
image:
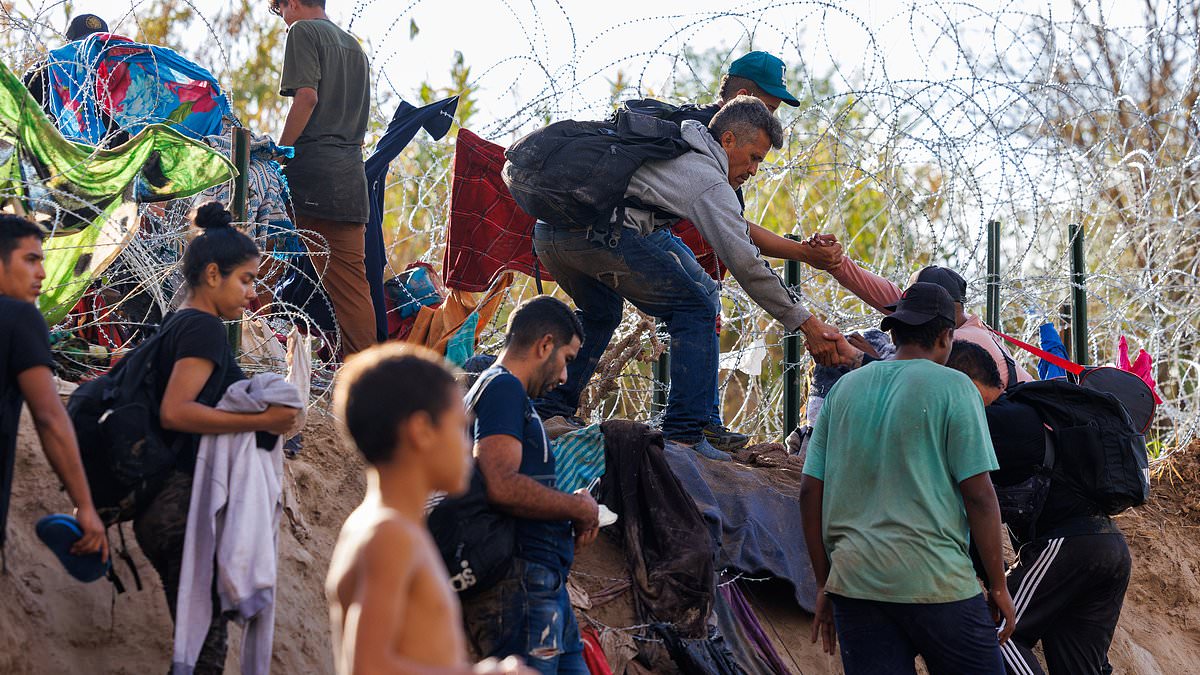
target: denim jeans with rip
659 275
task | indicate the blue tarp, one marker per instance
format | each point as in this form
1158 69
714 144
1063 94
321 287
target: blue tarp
754 516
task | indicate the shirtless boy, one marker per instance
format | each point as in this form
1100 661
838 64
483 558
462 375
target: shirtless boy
390 601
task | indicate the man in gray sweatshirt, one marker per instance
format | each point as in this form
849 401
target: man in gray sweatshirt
656 272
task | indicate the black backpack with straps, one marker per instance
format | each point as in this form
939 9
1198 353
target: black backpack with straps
575 174
125 457
120 436
1097 450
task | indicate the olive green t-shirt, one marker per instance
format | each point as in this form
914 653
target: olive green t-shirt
326 177
892 443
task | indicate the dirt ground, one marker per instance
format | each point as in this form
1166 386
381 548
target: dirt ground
50 623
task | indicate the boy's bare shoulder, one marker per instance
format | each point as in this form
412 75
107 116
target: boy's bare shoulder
375 537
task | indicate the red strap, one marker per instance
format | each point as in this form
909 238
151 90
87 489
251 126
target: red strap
1070 367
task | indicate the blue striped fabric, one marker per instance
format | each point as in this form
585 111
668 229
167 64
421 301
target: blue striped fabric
579 458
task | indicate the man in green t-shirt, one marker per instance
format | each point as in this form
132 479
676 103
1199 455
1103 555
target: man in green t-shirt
895 480
325 71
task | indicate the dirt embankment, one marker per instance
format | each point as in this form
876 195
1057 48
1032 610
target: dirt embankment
50 623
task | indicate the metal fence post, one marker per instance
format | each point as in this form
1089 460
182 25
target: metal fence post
241 192
792 352
662 375
1079 317
993 274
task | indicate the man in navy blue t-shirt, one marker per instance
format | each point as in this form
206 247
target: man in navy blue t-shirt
528 613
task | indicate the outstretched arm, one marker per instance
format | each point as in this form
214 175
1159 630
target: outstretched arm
62 451
868 286
822 251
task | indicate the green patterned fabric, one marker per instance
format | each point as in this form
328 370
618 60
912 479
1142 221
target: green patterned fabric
74 190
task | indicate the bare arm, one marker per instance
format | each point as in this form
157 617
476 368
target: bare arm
983 513
57 435
180 411
303 104
499 458
812 494
823 255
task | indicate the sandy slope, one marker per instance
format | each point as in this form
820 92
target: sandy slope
51 624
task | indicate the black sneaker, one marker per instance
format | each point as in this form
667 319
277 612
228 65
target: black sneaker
721 438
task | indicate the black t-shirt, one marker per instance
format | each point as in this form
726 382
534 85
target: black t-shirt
192 333
1019 440
24 344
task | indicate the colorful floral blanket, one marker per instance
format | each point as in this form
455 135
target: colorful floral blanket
106 84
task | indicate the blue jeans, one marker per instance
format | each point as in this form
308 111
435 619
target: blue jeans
884 638
527 614
659 275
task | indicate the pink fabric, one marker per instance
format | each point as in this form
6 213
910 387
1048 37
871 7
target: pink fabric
879 293
973 330
1142 366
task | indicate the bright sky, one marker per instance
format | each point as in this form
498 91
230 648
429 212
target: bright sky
571 49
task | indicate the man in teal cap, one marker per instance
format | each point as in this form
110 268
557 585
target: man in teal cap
760 75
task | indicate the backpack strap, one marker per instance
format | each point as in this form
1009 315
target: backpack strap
480 386
1012 369
469 401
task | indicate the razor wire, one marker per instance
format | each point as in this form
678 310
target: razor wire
1036 113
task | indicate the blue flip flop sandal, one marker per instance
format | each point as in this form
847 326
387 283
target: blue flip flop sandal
59 532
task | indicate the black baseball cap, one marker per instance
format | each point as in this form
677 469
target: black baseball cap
84 25
947 278
919 304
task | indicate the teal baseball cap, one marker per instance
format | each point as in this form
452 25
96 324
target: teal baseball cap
765 70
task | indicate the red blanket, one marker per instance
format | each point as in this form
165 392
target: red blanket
489 233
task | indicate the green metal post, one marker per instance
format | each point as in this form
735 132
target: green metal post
241 192
1079 317
792 352
241 183
993 274
662 375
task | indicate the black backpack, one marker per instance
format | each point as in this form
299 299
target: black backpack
120 437
676 114
476 541
575 174
1098 451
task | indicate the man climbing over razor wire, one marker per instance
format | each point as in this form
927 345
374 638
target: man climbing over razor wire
756 74
690 172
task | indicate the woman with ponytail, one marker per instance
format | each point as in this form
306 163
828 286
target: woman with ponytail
195 365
